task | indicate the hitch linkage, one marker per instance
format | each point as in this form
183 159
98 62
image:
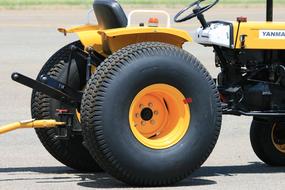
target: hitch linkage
58 90
64 132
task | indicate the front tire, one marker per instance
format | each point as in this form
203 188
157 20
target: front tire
268 141
151 114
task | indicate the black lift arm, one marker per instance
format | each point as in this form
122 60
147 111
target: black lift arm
52 88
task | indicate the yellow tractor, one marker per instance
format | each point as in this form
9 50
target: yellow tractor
130 101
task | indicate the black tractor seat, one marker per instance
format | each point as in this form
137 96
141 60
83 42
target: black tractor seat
110 14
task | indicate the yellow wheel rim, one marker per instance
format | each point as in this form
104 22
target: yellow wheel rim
159 117
280 147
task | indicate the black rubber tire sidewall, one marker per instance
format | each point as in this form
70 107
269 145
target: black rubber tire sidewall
261 142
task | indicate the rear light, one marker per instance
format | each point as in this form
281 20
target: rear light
153 22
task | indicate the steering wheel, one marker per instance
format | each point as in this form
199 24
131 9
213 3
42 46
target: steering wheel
196 11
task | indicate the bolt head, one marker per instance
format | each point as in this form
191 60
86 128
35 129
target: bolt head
44 78
15 76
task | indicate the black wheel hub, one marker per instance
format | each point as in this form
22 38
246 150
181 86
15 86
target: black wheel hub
146 114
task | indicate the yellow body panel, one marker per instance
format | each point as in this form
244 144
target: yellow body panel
88 35
255 39
109 41
116 39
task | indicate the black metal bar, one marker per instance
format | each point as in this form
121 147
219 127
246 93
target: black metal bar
72 49
269 10
200 17
255 113
220 55
76 95
50 91
96 57
262 113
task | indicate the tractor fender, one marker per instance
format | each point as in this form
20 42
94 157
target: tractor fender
109 41
88 35
115 39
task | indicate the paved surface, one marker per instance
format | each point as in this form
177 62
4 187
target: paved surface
28 38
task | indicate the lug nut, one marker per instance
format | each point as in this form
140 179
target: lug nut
141 106
152 122
155 112
137 115
143 123
150 105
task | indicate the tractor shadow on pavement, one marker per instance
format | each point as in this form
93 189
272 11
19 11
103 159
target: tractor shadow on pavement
103 180
251 168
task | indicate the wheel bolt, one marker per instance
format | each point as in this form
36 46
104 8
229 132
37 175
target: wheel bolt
143 123
150 105
155 112
152 122
141 106
137 115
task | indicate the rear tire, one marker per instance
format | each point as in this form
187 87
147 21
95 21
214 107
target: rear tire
135 157
266 137
70 152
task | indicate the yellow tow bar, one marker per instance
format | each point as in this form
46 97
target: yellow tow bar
49 123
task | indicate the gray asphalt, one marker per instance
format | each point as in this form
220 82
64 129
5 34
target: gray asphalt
28 38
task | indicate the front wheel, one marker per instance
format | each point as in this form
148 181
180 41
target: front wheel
268 141
151 114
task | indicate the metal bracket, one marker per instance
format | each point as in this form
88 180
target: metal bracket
64 95
64 131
